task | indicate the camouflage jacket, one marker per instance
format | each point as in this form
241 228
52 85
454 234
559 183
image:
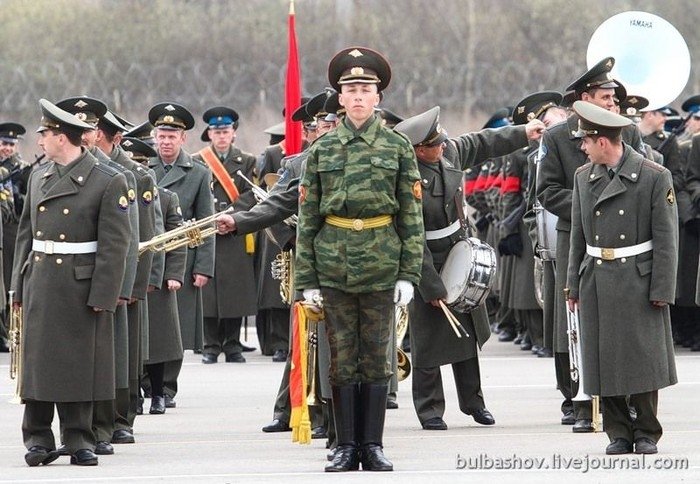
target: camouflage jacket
359 175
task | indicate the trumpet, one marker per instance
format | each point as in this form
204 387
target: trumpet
191 234
403 363
15 343
260 195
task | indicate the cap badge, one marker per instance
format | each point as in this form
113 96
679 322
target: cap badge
521 109
168 119
169 107
355 53
609 64
127 143
357 71
80 104
530 116
220 118
81 116
631 111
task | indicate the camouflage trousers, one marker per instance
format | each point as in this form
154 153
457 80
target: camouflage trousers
359 328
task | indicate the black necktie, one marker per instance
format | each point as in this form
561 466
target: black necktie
611 172
167 168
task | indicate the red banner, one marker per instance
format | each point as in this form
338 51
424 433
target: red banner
292 90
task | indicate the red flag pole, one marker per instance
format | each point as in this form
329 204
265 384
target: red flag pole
292 90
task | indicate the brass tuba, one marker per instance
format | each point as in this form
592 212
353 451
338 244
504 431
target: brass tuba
191 233
651 56
15 343
282 269
403 363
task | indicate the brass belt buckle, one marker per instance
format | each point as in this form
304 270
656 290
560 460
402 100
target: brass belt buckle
48 247
358 224
607 254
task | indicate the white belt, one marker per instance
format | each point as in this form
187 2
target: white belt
50 247
442 233
618 252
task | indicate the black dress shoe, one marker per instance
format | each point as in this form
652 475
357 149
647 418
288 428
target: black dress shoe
518 339
40 455
525 346
208 358
568 418
198 351
391 404
435 423
319 433
346 458
63 451
372 458
619 446
123 436
582 426
545 353
235 358
84 457
483 416
277 425
536 349
247 349
505 336
170 402
644 446
104 448
280 356
157 406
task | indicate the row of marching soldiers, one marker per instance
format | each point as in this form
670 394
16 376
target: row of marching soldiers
523 205
96 204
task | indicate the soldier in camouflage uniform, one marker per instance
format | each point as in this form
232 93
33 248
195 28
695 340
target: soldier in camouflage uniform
359 245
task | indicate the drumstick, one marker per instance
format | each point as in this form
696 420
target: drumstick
450 319
454 320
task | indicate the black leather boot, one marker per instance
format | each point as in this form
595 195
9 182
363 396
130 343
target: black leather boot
373 404
344 410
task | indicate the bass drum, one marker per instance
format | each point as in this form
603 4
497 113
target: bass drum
468 274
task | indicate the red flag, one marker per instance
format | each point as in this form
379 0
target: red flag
292 91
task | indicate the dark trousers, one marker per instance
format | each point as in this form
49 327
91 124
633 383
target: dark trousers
103 419
359 330
273 330
568 389
222 335
170 374
75 419
428 394
618 423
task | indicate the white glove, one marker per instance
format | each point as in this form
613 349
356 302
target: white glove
312 296
403 292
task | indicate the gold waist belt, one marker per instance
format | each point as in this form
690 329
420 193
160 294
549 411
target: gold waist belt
358 224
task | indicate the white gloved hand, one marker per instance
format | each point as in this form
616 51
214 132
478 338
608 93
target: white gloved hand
403 292
312 296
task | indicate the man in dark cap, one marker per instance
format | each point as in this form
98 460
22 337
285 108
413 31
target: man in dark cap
234 271
270 214
360 181
560 158
433 343
126 338
544 105
691 124
191 180
142 132
70 262
624 227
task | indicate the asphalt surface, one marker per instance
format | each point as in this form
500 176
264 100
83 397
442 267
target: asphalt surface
214 435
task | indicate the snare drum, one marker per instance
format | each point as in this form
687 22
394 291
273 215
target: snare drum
468 274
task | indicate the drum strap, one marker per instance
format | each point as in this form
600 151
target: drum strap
463 219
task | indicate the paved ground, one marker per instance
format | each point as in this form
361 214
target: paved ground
214 433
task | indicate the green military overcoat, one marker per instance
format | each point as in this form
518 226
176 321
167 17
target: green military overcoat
68 348
626 341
